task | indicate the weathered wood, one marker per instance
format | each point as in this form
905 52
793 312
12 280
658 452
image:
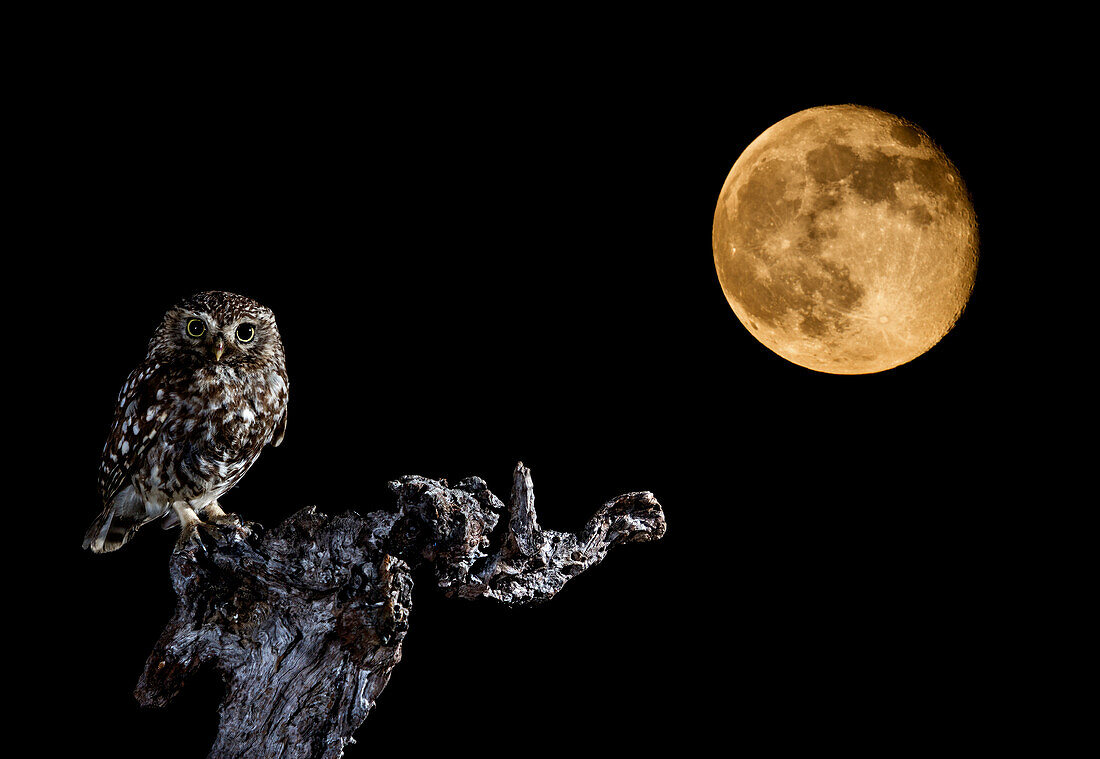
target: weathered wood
305 622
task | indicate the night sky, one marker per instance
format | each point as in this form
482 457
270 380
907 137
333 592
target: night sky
476 259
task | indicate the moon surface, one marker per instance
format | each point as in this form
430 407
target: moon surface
845 240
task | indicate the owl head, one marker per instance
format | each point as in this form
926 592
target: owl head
216 327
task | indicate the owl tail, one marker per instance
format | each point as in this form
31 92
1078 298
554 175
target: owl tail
117 524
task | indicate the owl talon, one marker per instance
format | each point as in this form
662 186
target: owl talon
213 514
220 531
226 519
236 525
191 535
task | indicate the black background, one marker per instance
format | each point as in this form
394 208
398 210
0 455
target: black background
484 252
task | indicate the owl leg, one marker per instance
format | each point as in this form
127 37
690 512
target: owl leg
187 517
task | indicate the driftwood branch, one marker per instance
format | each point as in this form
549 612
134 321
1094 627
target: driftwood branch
305 622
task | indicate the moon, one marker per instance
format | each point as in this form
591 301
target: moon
845 240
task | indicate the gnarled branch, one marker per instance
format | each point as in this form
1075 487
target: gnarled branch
305 622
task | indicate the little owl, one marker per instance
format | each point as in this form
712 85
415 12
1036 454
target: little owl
192 417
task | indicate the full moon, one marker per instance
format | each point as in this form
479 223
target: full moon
845 240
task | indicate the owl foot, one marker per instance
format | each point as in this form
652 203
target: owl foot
202 536
191 538
214 527
225 519
192 529
232 522
214 514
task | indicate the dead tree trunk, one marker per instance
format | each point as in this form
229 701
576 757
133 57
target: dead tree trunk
305 622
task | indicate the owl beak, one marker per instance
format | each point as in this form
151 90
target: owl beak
219 348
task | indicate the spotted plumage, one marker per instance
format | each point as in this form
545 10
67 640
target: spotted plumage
192 418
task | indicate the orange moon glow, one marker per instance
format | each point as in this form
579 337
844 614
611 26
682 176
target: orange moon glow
845 240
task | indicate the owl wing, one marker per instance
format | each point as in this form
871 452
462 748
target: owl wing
139 416
280 430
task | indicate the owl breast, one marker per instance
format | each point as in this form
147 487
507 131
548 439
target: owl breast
222 421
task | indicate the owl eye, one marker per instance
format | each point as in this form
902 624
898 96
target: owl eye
245 333
196 327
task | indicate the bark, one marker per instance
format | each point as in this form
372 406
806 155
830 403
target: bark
304 622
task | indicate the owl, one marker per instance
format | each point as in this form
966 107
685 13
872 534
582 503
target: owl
192 418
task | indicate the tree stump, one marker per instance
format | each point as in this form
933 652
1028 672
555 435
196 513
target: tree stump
304 622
